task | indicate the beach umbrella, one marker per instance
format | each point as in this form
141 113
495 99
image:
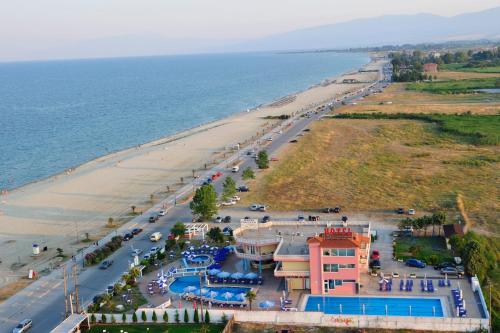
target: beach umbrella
204 291
227 295
241 296
189 289
251 275
214 271
191 248
237 275
213 294
223 275
266 304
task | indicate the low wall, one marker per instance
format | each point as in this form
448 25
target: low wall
453 324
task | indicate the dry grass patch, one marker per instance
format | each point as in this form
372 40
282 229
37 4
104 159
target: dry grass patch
380 165
449 75
12 288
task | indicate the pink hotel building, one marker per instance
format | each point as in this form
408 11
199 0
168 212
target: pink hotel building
320 257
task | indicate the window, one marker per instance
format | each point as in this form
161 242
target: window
350 252
339 252
338 282
326 252
325 285
344 266
348 281
330 268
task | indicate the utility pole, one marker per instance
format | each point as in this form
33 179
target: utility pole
201 300
75 279
65 292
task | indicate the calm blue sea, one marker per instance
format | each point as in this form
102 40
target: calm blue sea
58 114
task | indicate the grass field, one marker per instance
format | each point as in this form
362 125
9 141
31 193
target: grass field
462 68
378 165
432 250
156 328
455 86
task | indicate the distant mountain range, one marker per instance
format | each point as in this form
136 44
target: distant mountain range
383 30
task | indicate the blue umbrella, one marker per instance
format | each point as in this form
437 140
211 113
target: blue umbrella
266 304
241 297
237 275
214 271
189 289
223 275
251 275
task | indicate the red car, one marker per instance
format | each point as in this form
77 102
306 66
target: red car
375 255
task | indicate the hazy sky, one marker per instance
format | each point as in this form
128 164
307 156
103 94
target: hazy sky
31 29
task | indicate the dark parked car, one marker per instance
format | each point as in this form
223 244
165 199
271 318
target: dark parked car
415 263
444 265
227 231
266 219
243 189
136 231
105 264
227 219
154 218
400 210
293 141
332 210
452 271
375 264
128 236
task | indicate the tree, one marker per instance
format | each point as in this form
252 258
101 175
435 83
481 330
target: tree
207 317
204 202
216 235
60 252
110 221
186 316
143 316
113 319
133 209
176 317
179 229
224 319
247 174
196 317
250 296
134 317
262 160
228 188
103 318
474 259
165 316
92 318
438 219
154 318
124 317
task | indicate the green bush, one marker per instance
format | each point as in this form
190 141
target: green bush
176 317
92 318
186 316
134 317
124 317
196 317
154 318
207 317
103 318
143 316
165 316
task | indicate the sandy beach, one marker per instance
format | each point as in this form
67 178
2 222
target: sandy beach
58 211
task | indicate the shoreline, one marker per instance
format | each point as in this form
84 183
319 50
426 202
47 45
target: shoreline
183 132
58 210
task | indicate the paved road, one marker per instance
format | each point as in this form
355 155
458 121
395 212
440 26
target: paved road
43 301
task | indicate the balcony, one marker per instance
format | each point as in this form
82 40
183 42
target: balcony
256 242
253 256
279 272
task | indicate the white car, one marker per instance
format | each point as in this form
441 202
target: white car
135 252
162 212
254 207
154 250
218 219
411 211
23 326
147 256
228 203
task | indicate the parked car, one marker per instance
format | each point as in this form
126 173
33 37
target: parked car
331 210
110 290
415 263
154 250
254 207
243 189
23 326
227 219
147 256
228 203
136 231
262 208
293 141
411 211
218 219
227 231
128 236
162 212
375 255
135 252
452 271
153 218
444 265
105 264
400 210
266 219
301 218
375 264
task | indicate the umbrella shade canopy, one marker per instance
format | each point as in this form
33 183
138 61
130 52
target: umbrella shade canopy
223 275
266 304
204 291
189 289
251 275
227 295
214 271
213 294
241 296
237 275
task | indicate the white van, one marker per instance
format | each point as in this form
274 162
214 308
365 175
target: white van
156 236
236 168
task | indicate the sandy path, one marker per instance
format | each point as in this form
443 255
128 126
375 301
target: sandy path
54 211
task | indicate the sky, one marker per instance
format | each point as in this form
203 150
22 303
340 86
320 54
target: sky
45 29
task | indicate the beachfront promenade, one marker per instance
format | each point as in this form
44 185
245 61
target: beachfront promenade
43 300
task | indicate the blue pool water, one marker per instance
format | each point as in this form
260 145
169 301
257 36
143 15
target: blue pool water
199 258
181 283
376 306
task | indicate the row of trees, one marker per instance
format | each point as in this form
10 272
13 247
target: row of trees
103 252
423 222
154 317
484 58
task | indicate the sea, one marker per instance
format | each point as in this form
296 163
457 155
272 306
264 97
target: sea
55 115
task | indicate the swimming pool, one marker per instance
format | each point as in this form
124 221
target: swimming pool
376 306
202 258
183 282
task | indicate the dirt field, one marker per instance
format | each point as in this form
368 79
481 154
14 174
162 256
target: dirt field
449 75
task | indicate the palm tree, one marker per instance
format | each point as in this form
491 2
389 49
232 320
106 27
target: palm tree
250 296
